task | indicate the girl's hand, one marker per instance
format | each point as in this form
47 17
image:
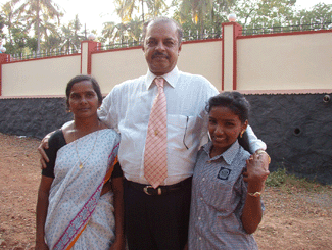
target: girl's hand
256 173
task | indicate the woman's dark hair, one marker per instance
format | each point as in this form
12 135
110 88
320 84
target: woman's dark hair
232 100
81 78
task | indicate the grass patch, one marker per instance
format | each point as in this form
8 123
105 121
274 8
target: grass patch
290 183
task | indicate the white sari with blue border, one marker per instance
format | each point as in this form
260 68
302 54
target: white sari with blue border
78 217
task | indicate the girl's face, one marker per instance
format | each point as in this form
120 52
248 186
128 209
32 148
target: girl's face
224 128
83 100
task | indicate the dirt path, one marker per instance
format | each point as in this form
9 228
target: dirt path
293 220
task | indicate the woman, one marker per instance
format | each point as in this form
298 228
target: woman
80 199
225 202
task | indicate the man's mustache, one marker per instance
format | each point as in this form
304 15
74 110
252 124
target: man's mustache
159 54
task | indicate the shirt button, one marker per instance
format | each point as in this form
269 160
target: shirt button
203 179
199 218
201 198
199 238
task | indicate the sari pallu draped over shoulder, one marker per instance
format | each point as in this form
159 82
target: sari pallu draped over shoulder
76 211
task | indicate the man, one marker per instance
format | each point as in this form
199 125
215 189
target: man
158 218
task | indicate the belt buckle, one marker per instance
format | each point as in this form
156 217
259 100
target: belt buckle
146 190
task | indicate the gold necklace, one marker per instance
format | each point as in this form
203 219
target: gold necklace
79 158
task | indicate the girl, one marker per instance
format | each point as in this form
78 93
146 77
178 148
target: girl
225 203
78 207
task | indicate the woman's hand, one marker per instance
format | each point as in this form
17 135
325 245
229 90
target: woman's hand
118 244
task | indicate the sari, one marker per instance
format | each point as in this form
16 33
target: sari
78 217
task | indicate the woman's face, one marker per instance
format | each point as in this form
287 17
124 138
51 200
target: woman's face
83 100
224 128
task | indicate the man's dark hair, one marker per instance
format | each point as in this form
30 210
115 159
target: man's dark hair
162 19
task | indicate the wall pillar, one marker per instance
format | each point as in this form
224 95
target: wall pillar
87 48
3 59
231 31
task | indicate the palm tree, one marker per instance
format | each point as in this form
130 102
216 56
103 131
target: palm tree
34 9
67 37
122 10
198 10
108 31
156 7
71 36
134 28
77 36
126 8
9 16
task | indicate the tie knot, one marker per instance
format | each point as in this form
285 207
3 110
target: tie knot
159 82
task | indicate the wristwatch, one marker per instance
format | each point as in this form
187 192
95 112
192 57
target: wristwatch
256 194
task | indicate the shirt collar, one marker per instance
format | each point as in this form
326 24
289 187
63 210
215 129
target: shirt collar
171 77
228 155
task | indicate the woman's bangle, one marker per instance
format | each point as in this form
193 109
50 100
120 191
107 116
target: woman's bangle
261 151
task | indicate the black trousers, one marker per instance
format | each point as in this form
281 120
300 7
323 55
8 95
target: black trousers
157 222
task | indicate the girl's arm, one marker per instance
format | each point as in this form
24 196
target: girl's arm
120 239
256 176
42 206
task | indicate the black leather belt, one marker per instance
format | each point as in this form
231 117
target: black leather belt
161 190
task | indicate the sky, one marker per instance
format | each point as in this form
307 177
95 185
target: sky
94 13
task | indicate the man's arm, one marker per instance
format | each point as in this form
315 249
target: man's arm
107 112
254 143
44 143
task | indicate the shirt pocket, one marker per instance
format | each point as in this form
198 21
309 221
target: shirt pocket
183 131
219 196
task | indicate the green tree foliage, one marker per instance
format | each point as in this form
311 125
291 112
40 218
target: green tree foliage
320 13
31 25
280 15
128 10
72 36
8 16
2 24
39 13
256 11
203 18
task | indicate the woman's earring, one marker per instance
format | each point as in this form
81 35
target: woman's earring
242 133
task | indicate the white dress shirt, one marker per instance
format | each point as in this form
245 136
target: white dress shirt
127 109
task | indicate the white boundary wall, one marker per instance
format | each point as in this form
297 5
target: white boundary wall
39 77
285 62
279 62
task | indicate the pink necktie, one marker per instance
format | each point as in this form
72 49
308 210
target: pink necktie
155 161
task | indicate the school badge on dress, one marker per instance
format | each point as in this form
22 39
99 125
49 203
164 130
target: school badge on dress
224 173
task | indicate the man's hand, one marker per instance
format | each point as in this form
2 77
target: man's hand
44 145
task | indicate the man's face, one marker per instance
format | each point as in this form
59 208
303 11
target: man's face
161 47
